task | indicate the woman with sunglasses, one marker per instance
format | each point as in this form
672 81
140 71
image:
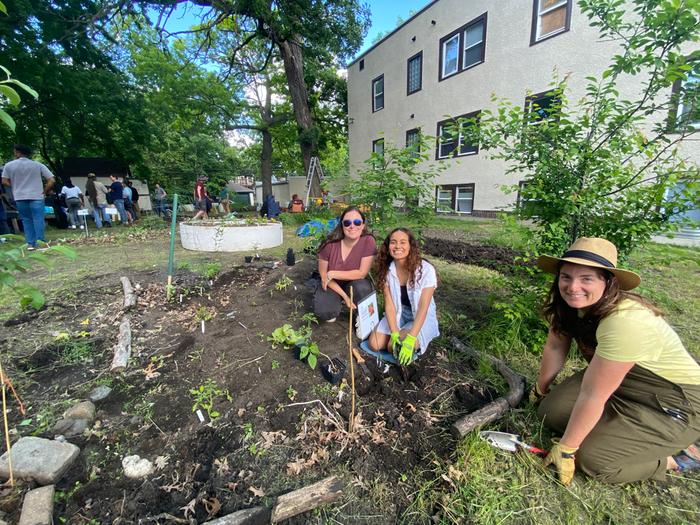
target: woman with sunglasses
344 260
408 282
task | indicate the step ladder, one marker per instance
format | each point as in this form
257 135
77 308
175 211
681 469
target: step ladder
315 170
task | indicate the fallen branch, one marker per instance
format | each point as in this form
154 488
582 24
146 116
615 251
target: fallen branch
129 294
122 351
494 410
307 498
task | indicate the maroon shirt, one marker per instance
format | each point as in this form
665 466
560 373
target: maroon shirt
366 246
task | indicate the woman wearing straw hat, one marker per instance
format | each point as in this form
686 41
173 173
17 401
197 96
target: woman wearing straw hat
629 414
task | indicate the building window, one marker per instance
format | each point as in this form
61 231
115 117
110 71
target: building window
463 48
414 71
549 18
454 198
452 140
378 93
687 93
362 64
413 142
543 106
378 147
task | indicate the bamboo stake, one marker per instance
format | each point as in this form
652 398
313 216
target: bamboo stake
352 368
7 427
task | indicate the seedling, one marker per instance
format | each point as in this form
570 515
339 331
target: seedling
287 337
211 270
248 432
202 315
196 355
275 364
205 395
310 352
283 283
309 318
291 393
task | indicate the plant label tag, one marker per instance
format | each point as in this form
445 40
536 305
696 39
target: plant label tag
200 416
202 325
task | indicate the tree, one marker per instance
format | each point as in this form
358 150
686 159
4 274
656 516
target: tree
323 31
397 177
604 166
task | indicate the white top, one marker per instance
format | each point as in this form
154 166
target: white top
71 193
428 279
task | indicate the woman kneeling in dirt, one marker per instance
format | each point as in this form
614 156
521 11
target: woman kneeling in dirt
408 282
344 260
627 416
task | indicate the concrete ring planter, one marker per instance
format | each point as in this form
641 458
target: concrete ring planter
229 236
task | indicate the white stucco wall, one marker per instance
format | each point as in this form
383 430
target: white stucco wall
511 68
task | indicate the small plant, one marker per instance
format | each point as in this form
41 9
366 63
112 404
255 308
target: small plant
71 350
248 432
275 364
211 270
203 314
310 352
283 283
287 337
309 318
205 395
291 393
196 355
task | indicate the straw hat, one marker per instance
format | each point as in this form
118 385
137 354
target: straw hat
594 252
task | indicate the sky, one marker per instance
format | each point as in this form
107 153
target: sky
385 15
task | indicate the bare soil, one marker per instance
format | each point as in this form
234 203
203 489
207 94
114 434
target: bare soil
284 427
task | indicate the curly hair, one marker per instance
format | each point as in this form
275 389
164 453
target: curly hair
565 320
413 261
337 233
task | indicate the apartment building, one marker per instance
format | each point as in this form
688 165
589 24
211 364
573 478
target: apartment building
446 62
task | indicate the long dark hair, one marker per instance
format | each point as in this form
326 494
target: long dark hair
565 320
337 233
413 262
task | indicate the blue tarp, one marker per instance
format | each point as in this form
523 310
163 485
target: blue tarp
315 226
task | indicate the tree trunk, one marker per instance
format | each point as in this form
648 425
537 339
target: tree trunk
294 69
266 152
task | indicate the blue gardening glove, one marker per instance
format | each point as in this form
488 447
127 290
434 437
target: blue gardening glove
406 352
395 339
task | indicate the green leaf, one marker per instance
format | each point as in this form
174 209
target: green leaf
7 119
25 422
3 9
11 94
312 361
24 87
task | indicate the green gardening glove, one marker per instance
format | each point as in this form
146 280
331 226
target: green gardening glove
406 352
395 344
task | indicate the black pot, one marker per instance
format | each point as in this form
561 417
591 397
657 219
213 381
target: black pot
248 259
334 373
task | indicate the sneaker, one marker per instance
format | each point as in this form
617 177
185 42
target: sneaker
331 320
30 248
72 226
686 463
82 227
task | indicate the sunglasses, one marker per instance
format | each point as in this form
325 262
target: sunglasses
347 222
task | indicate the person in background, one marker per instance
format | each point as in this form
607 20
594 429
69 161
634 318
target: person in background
134 199
25 176
627 415
97 197
344 260
4 225
116 195
128 203
296 205
200 200
224 200
160 194
74 202
408 282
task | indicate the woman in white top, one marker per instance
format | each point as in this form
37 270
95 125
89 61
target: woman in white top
74 201
408 282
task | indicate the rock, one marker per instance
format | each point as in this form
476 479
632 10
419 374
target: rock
83 410
42 460
70 427
100 393
37 508
252 516
136 420
135 467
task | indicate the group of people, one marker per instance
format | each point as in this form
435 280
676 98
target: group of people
632 414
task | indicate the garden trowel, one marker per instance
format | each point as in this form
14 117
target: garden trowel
509 442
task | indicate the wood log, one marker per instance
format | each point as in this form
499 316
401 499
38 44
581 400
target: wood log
495 409
252 516
307 498
122 350
129 294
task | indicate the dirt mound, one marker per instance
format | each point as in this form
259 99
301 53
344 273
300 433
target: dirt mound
496 258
